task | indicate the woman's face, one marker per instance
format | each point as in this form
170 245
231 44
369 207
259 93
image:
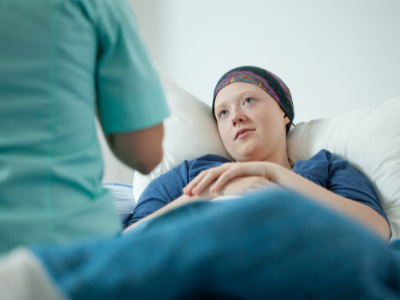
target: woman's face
251 123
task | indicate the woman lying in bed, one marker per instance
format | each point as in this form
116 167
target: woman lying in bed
254 111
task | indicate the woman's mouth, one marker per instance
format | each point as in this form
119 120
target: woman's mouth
243 133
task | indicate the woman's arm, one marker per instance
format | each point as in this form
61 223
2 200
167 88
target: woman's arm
292 181
234 187
355 210
182 200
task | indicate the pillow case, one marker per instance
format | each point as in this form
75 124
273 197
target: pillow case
189 132
369 139
122 196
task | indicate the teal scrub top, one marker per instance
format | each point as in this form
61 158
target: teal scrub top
60 61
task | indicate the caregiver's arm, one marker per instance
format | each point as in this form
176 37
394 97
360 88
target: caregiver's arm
141 150
292 181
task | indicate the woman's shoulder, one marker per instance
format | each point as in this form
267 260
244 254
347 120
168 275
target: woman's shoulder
326 156
205 162
210 158
187 168
323 163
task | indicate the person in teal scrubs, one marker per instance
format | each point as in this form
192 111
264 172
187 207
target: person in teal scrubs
61 63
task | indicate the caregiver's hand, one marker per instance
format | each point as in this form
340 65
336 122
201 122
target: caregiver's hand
228 172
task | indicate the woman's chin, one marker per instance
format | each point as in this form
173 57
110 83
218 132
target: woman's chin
247 156
249 151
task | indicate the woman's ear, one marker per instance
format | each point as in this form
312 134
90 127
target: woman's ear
287 120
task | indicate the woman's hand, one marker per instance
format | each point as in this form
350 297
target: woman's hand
244 185
227 172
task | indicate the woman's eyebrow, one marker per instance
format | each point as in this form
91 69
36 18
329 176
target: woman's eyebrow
238 96
222 104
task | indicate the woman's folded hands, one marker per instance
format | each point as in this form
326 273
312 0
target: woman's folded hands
233 179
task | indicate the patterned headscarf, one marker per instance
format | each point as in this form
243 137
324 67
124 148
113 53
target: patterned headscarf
269 82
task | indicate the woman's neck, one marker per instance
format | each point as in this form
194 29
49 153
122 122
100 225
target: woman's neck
280 158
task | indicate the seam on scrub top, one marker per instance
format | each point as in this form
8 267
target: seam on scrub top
53 80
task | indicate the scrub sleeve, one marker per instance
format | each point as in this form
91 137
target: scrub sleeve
60 60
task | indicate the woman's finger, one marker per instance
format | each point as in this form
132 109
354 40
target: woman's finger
216 171
225 178
206 181
237 170
187 190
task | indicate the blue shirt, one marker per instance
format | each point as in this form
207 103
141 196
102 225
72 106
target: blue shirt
60 61
325 169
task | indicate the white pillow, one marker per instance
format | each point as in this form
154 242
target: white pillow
189 132
123 197
369 139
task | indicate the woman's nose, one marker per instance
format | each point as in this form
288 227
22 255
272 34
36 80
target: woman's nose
237 117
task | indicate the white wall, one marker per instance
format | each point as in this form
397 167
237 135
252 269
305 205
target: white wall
335 56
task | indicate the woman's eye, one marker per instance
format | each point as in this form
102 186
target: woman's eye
248 100
223 113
